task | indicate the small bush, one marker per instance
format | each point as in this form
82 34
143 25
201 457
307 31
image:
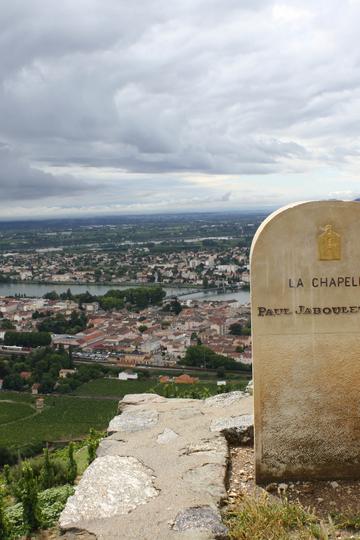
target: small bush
51 503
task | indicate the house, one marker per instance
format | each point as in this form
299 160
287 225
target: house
127 376
63 373
35 388
163 379
39 404
25 375
133 359
186 379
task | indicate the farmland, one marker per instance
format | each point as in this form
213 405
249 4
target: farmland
93 404
114 388
63 418
117 389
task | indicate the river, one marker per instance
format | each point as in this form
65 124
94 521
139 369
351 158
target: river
39 289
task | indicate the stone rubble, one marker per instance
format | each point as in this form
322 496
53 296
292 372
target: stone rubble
161 472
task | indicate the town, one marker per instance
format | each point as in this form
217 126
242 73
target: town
192 253
158 335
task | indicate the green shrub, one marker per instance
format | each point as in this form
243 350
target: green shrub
4 528
51 503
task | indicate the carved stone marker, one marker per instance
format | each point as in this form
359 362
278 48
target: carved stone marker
305 295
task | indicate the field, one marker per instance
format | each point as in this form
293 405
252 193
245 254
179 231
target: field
67 418
114 388
118 389
63 418
11 412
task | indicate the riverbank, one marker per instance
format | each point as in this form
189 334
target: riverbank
121 284
37 290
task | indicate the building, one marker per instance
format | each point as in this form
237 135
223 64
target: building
127 376
63 373
186 379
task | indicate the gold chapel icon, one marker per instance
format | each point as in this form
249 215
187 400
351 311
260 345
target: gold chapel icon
329 243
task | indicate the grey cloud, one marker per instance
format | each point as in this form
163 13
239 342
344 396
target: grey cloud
19 181
253 87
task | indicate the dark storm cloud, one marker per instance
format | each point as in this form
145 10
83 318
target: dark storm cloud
19 181
247 88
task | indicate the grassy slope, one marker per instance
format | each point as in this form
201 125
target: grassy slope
63 418
118 389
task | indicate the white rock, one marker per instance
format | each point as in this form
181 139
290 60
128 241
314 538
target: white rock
167 436
141 399
133 420
222 400
240 422
111 486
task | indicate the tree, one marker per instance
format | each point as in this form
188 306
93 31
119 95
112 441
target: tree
52 295
13 382
93 443
4 527
220 372
236 329
47 472
72 466
27 339
7 475
29 498
7 325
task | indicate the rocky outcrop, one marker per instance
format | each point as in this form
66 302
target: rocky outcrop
161 472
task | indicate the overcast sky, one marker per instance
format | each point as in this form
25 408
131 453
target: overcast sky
113 106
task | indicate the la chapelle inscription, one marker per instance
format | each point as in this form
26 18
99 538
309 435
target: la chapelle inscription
317 281
322 281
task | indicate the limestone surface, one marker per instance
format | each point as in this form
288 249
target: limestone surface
133 421
161 472
111 486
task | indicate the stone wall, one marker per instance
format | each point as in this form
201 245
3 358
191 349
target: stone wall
161 472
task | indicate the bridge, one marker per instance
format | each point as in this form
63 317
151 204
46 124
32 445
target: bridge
220 289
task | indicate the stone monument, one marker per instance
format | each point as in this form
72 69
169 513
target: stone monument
305 296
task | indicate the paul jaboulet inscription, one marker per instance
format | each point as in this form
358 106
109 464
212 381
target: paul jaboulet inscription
306 310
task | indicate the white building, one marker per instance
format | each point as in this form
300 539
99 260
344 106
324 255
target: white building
127 376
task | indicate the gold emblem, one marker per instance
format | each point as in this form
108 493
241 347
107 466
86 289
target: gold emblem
329 243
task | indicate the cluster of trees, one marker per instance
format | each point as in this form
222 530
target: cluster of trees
27 339
239 329
173 306
202 356
6 324
59 324
53 295
44 365
82 375
132 298
136 297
